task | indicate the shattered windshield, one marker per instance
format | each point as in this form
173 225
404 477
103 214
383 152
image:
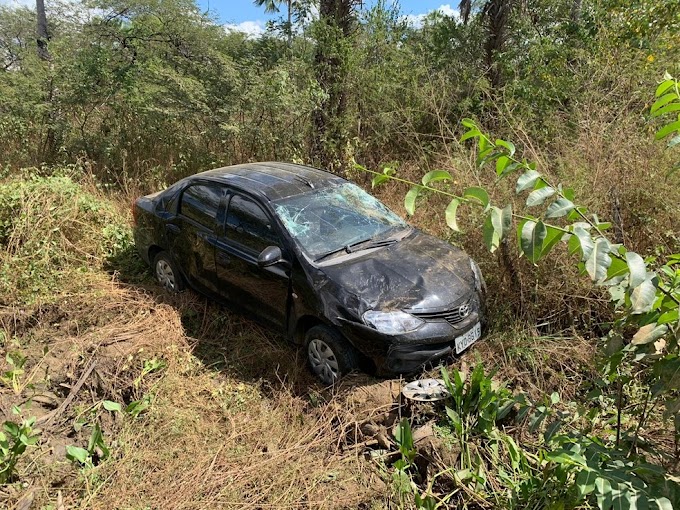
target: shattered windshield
329 219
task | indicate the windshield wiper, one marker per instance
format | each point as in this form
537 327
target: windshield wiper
365 244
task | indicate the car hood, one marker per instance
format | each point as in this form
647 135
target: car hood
419 272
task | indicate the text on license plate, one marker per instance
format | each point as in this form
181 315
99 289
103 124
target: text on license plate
469 338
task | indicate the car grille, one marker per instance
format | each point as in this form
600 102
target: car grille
453 316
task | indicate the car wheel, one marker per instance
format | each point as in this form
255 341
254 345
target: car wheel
329 355
167 273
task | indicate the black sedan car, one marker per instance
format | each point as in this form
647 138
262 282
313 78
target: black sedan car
317 258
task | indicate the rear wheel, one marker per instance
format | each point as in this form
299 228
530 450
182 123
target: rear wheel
167 274
329 355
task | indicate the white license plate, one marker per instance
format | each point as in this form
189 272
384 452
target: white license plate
469 338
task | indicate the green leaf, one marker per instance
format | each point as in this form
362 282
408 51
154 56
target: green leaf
403 435
468 123
662 101
410 199
637 267
455 420
436 175
559 207
673 142
552 429
451 210
553 236
75 453
643 296
670 108
501 164
585 482
664 86
478 194
649 333
668 317
11 428
604 493
111 406
667 130
599 260
378 180
506 220
531 239
472 133
585 242
492 229
662 503
617 268
509 146
538 196
527 180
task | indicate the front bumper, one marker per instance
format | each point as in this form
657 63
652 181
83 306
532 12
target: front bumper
408 353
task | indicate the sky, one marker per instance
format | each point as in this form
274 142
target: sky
243 15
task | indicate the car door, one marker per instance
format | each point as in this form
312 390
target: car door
192 233
263 291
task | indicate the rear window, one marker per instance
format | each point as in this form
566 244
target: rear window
200 203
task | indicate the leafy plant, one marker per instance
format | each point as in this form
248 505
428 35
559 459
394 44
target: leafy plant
97 449
473 408
15 438
12 376
150 366
642 345
403 468
668 104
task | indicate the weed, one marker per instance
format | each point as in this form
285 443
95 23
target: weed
96 451
15 438
12 376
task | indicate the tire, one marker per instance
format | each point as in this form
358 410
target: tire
167 274
329 355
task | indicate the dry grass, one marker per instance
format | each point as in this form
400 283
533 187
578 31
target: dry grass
235 419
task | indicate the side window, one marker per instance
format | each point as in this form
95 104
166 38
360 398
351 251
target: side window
200 203
249 225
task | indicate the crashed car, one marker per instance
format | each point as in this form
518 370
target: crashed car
317 258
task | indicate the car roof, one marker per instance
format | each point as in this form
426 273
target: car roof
273 180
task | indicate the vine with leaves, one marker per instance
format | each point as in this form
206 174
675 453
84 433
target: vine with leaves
642 344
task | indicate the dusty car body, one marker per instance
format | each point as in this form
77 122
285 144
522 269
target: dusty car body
317 258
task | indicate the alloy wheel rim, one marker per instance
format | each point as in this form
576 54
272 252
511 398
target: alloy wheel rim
323 361
165 275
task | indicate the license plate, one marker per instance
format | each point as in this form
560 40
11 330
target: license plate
469 338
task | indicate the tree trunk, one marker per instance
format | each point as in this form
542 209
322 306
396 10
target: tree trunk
497 13
49 145
43 34
329 143
290 24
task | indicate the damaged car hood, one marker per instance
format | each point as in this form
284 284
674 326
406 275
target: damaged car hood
419 272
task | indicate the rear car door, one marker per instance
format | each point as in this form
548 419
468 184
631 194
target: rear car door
263 291
192 233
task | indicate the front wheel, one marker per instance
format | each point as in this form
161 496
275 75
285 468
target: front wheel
329 355
167 273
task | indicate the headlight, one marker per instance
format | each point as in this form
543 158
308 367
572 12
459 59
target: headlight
480 284
392 323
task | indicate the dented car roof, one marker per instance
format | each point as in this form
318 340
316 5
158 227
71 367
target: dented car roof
274 180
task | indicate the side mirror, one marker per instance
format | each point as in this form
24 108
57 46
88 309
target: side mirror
269 256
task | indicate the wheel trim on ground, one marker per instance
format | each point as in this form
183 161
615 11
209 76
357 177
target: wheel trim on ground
323 361
165 275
